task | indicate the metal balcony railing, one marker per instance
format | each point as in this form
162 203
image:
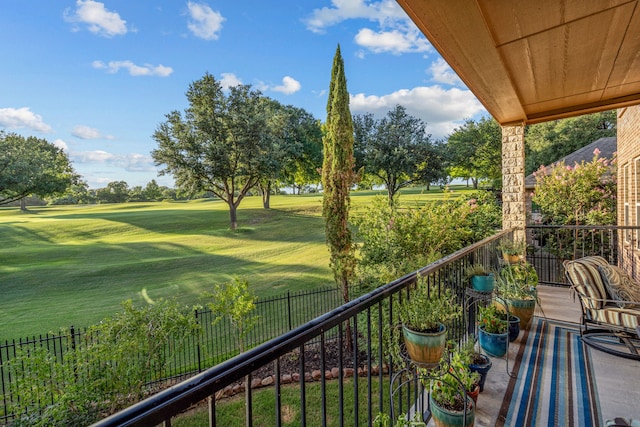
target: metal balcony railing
304 354
362 322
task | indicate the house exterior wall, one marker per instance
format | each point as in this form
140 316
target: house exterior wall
628 203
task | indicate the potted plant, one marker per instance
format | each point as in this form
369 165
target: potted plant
493 331
469 379
449 400
482 279
512 251
517 290
476 361
423 318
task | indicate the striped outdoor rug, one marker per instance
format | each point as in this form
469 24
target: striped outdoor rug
555 383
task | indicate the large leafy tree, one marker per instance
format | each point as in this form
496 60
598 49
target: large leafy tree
32 166
475 151
397 150
549 141
220 144
338 176
302 168
295 147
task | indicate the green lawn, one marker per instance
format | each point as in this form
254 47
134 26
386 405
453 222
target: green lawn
231 412
73 265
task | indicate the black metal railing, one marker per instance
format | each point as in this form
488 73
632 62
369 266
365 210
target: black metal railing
359 328
550 245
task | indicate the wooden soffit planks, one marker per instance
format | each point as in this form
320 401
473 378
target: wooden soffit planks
531 61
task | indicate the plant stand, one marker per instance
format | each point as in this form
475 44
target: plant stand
407 389
472 299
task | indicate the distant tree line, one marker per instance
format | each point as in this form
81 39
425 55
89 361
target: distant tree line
234 143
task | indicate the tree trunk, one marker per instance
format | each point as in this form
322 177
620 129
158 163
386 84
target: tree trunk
266 195
233 216
23 204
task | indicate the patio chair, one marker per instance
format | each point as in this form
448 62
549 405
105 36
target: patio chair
610 303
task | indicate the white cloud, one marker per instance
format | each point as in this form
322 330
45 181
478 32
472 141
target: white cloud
442 73
16 118
86 132
396 33
131 162
289 86
396 41
61 145
229 80
97 18
205 23
134 70
442 109
341 10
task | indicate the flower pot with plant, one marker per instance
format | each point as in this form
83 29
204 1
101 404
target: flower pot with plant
482 278
517 291
493 331
512 251
424 316
476 361
449 398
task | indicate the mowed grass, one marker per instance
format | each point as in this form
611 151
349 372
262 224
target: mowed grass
74 265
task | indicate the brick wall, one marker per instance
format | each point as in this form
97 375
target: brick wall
629 179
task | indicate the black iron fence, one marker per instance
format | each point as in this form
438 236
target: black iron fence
360 389
550 245
214 344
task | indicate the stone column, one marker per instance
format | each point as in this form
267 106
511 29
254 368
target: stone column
513 199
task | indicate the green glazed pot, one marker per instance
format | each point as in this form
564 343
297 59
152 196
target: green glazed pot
483 283
445 418
425 348
522 308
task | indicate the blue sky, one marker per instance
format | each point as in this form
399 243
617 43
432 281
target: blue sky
97 77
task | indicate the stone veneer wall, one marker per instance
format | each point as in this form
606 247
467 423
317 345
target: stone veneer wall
513 198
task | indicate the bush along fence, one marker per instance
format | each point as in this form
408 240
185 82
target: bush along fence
142 350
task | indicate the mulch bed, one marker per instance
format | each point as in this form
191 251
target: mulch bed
313 369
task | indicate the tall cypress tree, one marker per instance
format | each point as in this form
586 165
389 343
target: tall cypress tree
338 176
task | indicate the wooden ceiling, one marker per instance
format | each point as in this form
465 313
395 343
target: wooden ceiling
530 61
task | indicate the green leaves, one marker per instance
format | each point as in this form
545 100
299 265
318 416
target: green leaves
234 301
32 166
579 194
338 176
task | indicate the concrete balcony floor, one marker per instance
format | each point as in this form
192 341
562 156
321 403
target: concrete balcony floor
617 378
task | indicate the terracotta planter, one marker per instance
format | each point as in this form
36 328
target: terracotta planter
474 394
522 308
511 259
424 347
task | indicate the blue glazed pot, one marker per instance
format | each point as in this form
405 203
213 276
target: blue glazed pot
493 344
482 369
483 283
514 328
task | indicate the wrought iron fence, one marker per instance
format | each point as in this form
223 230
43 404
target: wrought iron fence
550 245
213 345
360 371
